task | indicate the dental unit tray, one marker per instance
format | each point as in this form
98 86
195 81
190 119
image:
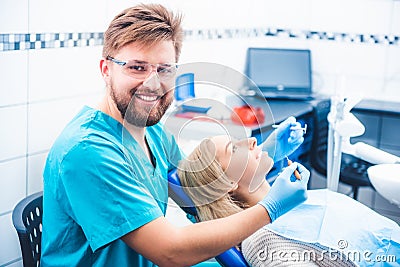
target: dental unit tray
196 109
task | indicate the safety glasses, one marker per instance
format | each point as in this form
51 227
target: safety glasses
141 70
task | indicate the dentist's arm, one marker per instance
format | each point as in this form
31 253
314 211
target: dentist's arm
284 140
168 245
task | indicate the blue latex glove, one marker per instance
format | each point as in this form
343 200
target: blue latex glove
283 141
286 192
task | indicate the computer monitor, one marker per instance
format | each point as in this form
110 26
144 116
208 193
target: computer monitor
279 72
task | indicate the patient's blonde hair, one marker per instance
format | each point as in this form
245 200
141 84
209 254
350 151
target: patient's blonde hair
205 182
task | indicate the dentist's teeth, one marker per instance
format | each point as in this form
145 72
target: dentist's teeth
147 98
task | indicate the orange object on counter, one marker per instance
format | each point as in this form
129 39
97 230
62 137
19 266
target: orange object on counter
248 115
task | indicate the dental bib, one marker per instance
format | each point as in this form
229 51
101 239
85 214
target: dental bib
342 224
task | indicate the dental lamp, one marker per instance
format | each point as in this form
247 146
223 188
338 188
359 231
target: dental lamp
342 126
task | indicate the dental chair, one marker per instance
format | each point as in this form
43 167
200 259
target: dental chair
230 258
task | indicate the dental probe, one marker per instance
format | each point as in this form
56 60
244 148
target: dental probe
296 173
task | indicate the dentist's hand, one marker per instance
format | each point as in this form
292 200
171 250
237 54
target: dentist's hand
283 141
286 192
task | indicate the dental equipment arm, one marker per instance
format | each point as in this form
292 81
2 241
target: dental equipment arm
369 153
342 126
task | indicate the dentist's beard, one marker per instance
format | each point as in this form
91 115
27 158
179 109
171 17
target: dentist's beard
139 115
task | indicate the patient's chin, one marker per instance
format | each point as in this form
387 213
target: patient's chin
256 182
269 163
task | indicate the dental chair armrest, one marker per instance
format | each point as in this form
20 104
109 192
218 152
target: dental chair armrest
178 195
234 257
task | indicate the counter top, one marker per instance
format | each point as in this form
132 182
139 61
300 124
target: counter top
378 106
277 111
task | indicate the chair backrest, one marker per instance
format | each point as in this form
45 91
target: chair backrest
230 258
27 220
319 145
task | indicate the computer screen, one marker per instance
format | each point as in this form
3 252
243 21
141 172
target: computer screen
280 69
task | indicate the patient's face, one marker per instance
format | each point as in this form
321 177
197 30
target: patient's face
243 161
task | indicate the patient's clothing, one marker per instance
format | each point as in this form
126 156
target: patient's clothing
344 225
98 186
265 248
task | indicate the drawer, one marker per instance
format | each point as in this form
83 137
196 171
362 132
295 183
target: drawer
390 131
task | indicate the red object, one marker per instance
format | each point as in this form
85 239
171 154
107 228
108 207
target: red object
248 115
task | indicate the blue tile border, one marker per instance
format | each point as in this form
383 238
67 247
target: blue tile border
27 41
20 41
288 33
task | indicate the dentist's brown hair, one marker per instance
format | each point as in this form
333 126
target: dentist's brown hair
145 24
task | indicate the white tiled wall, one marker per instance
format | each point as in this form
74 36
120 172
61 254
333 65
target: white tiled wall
10 250
12 183
371 16
14 17
42 89
14 78
64 16
13 131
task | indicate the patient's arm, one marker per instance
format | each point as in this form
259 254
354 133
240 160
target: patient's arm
265 248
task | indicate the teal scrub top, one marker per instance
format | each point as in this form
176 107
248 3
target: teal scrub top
98 186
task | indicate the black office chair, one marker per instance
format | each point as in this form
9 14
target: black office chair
27 220
353 171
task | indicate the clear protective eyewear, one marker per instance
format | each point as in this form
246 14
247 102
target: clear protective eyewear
141 70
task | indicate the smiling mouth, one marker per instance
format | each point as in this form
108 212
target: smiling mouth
148 98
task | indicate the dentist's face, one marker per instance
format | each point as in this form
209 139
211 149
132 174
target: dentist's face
243 161
141 101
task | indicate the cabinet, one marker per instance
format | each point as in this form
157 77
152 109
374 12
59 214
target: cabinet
389 140
382 125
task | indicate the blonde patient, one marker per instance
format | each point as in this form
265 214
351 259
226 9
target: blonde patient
224 176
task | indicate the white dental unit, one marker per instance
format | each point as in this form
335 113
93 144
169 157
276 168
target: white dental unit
385 176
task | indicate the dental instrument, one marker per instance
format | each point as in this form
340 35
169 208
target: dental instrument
342 126
296 172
